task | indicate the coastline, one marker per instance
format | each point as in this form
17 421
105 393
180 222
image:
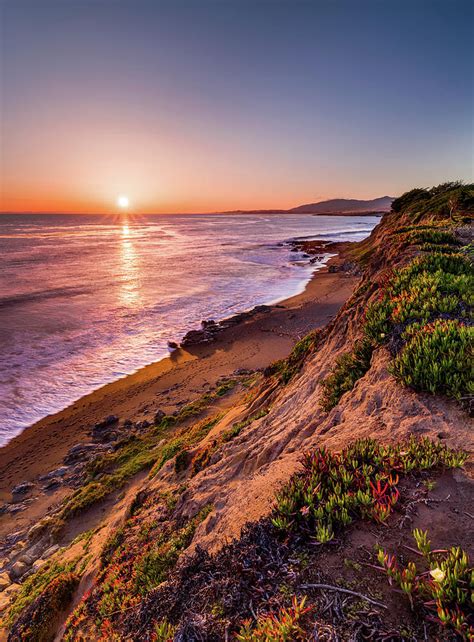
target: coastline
250 341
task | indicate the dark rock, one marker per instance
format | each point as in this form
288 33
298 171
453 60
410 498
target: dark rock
59 472
159 415
108 421
81 452
194 337
21 489
142 425
242 371
17 570
208 324
172 345
52 483
333 268
127 423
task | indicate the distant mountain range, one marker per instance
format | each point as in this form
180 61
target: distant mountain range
335 207
345 206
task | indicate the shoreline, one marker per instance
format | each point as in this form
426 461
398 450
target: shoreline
192 337
250 343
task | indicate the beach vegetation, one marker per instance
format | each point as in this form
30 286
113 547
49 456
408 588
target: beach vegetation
38 620
441 583
438 358
349 368
36 584
284 625
361 482
164 631
111 471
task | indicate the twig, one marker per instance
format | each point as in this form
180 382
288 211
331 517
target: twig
329 587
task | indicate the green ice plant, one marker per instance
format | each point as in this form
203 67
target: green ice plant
362 481
280 627
445 587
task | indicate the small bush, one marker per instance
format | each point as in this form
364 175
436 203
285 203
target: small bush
349 368
285 625
362 481
37 621
438 358
445 579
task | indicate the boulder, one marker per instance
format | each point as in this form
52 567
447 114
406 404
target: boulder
23 488
159 415
80 452
59 472
50 551
18 569
194 337
208 324
172 345
108 421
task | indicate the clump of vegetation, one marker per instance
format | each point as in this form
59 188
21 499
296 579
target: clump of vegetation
286 369
152 567
443 585
37 621
164 631
36 584
349 368
430 286
360 482
438 358
134 561
285 625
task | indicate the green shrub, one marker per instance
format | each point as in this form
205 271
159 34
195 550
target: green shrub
362 481
349 368
36 623
438 358
280 627
152 568
429 286
445 579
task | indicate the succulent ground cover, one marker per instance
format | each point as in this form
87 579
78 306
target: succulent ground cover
284 625
275 582
134 561
334 489
443 581
423 312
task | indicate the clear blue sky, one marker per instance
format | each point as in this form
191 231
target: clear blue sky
204 105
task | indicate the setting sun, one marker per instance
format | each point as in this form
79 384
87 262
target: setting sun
122 201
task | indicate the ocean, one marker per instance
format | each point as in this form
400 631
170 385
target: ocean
86 299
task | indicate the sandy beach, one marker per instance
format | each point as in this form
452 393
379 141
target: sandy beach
167 384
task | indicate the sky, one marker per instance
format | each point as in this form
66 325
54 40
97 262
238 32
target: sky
208 105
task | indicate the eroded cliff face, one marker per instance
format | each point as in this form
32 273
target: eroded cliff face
201 500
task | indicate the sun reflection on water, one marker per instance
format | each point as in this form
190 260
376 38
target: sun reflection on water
129 293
